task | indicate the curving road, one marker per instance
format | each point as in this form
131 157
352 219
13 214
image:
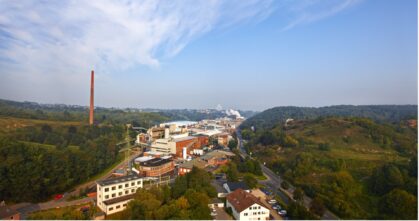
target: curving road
274 182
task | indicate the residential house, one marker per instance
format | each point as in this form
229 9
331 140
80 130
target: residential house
245 206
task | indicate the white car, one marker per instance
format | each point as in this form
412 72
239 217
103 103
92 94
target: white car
282 212
272 201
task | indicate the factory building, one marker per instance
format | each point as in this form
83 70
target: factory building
175 145
155 167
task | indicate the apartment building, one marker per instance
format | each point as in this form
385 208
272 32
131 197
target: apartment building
114 194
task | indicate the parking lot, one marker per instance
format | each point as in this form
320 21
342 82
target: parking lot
272 212
222 214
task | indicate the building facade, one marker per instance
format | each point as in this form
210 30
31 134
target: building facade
114 194
245 206
156 167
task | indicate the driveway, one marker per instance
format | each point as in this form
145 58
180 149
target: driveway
222 214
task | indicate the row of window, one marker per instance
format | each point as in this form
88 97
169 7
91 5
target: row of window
255 213
160 167
119 194
120 186
118 206
254 207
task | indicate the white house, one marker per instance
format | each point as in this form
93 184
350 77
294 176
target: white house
114 194
245 206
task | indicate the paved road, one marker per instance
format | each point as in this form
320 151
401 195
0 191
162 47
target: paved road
274 181
29 207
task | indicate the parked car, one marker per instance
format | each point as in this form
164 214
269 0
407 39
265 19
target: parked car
272 201
275 207
58 196
282 212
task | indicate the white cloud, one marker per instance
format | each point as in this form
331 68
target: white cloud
308 11
111 34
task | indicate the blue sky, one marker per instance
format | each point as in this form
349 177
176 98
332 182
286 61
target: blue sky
249 55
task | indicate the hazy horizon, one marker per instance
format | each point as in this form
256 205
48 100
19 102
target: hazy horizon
251 55
211 108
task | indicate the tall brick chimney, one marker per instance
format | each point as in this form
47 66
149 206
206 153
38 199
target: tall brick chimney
92 95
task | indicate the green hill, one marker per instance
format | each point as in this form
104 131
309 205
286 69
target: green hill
355 165
380 113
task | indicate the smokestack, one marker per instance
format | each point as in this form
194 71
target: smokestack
92 95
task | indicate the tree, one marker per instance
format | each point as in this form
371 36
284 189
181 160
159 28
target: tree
250 181
232 172
324 146
46 128
232 144
399 204
285 185
386 178
297 211
317 206
179 187
298 194
413 166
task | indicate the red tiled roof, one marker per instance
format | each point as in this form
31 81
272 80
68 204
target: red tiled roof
242 200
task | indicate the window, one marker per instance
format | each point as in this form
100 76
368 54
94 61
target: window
120 187
250 208
133 190
100 189
120 193
124 205
110 208
114 188
106 189
117 207
245 214
258 213
259 207
126 185
113 194
138 182
259 218
106 196
126 191
133 184
254 213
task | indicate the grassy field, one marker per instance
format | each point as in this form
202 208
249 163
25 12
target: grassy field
70 212
10 124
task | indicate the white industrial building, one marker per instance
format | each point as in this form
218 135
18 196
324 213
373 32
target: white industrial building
114 194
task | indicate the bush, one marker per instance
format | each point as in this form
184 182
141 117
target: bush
285 185
324 147
298 194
